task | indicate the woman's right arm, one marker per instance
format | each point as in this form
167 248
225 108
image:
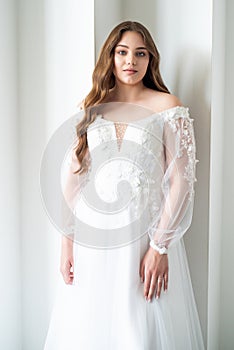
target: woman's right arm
66 260
70 192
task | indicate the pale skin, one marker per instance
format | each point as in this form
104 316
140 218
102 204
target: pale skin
131 59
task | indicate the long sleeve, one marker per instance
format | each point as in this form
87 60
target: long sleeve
175 214
71 188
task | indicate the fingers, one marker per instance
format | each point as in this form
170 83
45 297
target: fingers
147 285
67 272
152 287
159 287
141 271
165 282
154 284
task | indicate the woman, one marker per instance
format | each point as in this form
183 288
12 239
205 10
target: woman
134 290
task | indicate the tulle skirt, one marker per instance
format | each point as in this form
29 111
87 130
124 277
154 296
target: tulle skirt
105 308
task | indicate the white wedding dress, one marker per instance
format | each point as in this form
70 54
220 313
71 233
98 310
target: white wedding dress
105 308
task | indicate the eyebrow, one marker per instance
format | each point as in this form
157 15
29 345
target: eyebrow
137 48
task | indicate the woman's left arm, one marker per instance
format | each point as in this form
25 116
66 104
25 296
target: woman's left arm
178 181
176 210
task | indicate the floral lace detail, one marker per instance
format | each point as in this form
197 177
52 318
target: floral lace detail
181 123
188 144
105 134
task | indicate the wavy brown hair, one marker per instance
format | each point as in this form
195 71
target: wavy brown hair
104 80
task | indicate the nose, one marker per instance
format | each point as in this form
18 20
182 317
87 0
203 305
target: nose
131 59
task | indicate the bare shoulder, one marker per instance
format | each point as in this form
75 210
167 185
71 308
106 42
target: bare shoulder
160 101
169 100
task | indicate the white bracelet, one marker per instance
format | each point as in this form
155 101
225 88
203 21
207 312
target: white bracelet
161 251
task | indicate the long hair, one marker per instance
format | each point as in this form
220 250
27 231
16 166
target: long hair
103 79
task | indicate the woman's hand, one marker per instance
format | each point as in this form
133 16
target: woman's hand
66 261
154 273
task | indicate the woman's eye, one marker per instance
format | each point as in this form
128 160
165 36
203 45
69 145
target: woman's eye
122 52
140 53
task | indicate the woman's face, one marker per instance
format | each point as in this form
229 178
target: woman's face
131 59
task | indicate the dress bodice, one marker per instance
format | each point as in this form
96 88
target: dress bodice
143 166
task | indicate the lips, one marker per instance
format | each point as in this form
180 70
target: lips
130 70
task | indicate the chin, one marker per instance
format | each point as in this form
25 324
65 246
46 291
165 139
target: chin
131 82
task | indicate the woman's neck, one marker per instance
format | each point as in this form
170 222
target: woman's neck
127 93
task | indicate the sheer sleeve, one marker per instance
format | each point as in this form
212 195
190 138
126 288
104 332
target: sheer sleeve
71 189
176 210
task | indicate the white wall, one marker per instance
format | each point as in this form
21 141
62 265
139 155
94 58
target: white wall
56 57
182 31
221 306
216 172
10 309
32 130
227 231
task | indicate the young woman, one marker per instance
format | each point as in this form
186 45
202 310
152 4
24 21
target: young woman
130 289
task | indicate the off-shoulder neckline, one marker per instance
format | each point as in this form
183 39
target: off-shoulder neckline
155 114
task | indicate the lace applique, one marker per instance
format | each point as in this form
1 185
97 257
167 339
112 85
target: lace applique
188 144
181 123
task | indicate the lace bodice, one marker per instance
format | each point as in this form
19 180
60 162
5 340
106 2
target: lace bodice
155 155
